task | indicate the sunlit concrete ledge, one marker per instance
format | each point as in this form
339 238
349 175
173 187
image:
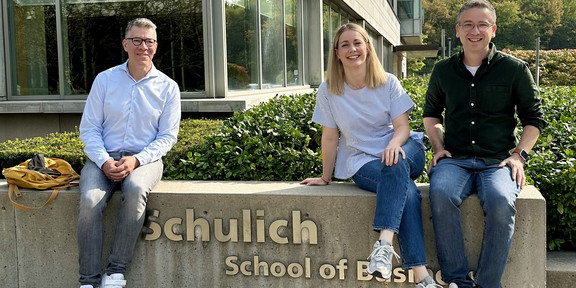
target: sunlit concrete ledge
247 234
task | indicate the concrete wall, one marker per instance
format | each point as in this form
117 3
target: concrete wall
213 234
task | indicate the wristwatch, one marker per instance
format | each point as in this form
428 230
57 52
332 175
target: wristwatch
522 154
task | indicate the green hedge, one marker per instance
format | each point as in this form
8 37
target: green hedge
551 167
59 145
556 66
69 147
277 141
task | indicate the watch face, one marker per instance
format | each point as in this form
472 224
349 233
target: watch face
524 155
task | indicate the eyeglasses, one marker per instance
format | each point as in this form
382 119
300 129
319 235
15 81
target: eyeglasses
138 41
467 27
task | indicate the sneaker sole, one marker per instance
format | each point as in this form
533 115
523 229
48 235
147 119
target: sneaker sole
379 274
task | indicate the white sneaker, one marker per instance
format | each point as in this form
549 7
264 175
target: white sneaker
381 260
453 285
428 282
86 286
115 280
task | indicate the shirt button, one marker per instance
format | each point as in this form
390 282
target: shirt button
473 142
473 122
472 84
471 104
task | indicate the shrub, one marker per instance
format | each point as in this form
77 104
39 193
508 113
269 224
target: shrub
275 140
191 136
65 145
556 66
551 167
69 147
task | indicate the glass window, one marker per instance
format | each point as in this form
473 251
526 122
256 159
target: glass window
333 19
34 48
2 65
95 29
92 33
326 34
242 44
293 68
280 64
405 9
271 21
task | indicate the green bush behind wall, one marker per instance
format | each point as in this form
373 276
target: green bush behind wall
277 141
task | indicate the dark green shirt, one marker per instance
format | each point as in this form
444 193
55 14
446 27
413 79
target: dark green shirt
480 111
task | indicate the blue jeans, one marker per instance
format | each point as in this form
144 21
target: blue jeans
96 190
452 181
398 200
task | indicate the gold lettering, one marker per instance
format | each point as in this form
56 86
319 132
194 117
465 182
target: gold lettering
327 271
258 265
297 229
169 229
231 263
232 234
277 269
399 276
341 267
361 274
244 268
200 223
260 235
273 231
410 276
295 270
247 226
154 226
438 277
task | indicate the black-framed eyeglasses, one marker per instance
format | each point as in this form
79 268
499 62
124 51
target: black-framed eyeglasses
139 41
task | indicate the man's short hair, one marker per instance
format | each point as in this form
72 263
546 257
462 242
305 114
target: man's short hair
478 4
139 22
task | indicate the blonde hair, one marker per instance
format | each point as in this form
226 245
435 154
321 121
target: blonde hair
375 74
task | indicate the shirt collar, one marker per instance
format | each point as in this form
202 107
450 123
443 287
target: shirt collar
152 73
491 56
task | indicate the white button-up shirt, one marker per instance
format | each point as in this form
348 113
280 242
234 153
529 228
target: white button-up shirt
125 115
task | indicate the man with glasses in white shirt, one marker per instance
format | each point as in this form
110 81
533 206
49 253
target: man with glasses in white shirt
131 119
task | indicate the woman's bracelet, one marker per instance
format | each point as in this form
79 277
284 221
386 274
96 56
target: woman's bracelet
327 181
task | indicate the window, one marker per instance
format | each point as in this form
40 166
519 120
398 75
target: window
242 44
263 43
271 21
33 48
333 18
50 57
293 45
2 65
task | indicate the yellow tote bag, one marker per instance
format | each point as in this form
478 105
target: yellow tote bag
56 174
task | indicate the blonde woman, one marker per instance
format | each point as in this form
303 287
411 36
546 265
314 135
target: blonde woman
366 135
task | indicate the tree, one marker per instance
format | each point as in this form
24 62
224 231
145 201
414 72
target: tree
519 22
565 35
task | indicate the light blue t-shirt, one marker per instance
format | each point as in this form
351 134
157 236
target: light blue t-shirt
364 118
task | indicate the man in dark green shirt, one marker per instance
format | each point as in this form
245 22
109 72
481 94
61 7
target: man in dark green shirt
473 104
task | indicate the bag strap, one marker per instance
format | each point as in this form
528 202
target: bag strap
13 189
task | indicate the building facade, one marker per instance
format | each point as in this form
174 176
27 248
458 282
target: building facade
226 55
